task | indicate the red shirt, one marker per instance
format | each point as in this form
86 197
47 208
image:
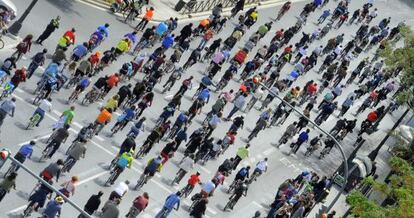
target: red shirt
112 81
312 88
70 35
372 116
140 203
194 180
19 76
287 50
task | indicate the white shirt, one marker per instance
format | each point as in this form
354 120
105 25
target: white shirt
121 189
187 164
258 93
45 105
262 165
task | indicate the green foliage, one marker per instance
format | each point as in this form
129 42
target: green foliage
400 189
403 57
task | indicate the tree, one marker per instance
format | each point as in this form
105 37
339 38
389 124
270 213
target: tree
402 58
400 191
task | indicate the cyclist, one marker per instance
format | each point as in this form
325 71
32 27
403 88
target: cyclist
238 123
125 117
37 60
84 68
67 116
112 103
81 86
19 76
241 154
172 202
45 105
138 205
84 133
80 51
208 188
289 132
186 164
53 208
25 151
122 47
239 190
38 199
261 167
103 118
120 190
52 170
180 137
58 137
242 174
185 85
137 128
153 137
9 64
124 161
303 137
145 102
77 151
194 57
124 93
154 165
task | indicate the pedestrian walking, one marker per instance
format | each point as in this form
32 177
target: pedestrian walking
7 108
92 204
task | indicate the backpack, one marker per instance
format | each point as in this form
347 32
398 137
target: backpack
122 162
314 141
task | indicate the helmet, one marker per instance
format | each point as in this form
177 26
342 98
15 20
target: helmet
60 199
98 54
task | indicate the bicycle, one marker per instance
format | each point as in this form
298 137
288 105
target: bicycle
293 147
324 152
118 126
133 212
45 153
186 191
179 176
73 81
7 90
33 121
40 96
74 96
1 40
230 204
173 132
253 177
114 174
141 182
29 210
142 151
91 97
232 186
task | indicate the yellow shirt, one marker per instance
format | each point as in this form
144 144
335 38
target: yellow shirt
123 46
112 103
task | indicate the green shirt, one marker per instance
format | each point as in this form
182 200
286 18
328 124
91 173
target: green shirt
69 114
263 30
242 152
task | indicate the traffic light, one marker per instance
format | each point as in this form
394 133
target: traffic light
4 154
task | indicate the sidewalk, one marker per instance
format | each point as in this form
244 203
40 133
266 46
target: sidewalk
164 9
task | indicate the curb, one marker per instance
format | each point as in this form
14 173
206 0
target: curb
184 17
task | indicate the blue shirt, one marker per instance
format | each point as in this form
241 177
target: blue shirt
326 13
52 70
181 135
153 165
52 209
104 30
26 150
171 201
84 83
168 41
303 136
129 114
182 118
131 37
348 102
161 28
80 51
204 95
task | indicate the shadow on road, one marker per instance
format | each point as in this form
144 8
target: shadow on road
409 3
64 5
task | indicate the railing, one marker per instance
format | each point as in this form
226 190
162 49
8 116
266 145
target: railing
194 6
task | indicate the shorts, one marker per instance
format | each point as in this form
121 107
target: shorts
80 88
147 172
75 58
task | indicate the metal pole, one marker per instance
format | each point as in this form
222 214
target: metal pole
326 133
16 26
50 187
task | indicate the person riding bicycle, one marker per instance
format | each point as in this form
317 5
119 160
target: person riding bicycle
104 117
53 208
137 128
242 174
239 191
172 202
77 152
80 51
44 106
52 170
122 47
83 83
303 137
38 198
261 167
154 165
124 161
125 117
139 204
85 133
315 143
152 138
59 136
25 151
37 60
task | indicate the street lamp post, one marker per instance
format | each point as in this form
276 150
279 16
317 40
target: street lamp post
345 163
16 26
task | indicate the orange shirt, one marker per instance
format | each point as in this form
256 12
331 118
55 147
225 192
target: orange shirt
205 23
104 116
112 81
149 14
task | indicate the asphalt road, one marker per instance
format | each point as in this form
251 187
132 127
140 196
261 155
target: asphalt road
93 169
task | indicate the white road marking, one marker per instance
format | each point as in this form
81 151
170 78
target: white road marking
269 151
257 204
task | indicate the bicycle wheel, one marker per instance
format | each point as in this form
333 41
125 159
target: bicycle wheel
140 183
66 165
110 179
11 170
33 121
1 44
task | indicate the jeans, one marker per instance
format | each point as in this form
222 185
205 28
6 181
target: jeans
202 44
56 145
232 112
3 115
31 69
